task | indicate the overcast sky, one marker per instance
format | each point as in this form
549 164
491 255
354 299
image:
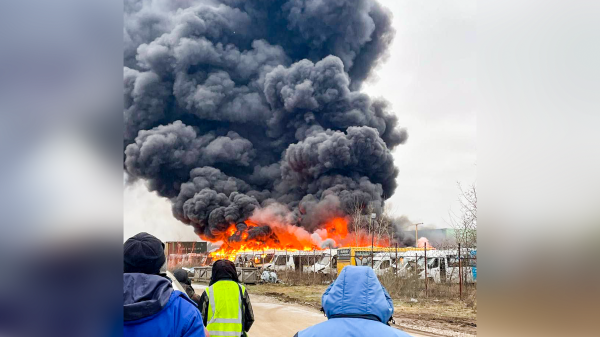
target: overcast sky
430 80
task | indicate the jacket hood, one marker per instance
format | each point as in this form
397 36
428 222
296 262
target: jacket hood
144 295
182 276
357 293
223 270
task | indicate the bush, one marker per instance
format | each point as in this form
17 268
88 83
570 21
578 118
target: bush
400 287
411 287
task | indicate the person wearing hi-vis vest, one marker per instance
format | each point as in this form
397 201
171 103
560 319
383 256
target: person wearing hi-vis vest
225 304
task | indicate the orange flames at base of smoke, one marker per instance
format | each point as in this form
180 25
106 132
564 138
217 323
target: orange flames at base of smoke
293 238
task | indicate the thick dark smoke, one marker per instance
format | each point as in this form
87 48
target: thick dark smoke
234 105
399 226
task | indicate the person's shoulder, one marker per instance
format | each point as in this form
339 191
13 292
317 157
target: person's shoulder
386 330
185 313
400 333
183 306
182 300
317 327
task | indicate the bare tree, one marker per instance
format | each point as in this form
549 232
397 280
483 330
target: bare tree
443 244
384 227
371 223
357 216
464 223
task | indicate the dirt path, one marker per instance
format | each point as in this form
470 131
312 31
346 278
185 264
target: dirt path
274 318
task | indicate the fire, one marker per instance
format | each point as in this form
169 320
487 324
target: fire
422 241
333 233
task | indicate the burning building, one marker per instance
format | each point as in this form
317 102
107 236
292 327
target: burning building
185 253
249 117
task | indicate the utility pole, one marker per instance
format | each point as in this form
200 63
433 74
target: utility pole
425 269
459 273
396 244
417 234
373 215
396 272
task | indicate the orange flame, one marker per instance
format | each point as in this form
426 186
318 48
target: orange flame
422 241
292 238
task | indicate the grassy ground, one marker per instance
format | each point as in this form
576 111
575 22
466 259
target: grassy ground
449 314
307 295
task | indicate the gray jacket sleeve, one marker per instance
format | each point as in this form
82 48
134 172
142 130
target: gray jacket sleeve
203 307
248 313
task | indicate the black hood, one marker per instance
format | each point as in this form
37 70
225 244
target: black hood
223 270
182 276
144 295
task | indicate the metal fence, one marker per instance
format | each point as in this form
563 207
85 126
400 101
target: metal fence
448 273
416 273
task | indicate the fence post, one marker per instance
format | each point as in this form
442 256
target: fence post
396 272
416 274
459 273
372 257
286 266
425 269
314 265
330 262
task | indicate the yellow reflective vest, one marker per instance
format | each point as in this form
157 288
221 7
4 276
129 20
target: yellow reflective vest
225 309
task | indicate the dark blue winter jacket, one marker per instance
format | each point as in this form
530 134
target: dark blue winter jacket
356 305
153 308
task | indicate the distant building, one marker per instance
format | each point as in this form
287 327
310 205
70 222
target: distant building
435 236
185 247
185 253
438 237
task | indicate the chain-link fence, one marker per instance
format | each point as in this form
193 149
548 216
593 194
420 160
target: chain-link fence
442 274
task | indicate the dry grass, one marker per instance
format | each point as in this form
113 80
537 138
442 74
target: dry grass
311 295
400 288
433 308
441 307
446 314
308 295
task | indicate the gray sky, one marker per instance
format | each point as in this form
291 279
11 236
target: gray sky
430 80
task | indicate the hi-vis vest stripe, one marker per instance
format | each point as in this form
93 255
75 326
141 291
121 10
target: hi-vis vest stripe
225 316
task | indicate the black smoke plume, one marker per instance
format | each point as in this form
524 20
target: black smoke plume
399 236
235 105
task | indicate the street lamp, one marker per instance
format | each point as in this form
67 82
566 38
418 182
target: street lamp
417 234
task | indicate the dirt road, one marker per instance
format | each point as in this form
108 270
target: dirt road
276 319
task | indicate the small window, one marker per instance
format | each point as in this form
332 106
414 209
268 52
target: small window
465 261
268 258
362 261
280 261
452 261
432 262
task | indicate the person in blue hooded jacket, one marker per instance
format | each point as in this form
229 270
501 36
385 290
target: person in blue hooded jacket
151 306
356 305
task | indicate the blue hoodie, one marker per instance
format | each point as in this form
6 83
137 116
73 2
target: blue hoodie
153 308
356 305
